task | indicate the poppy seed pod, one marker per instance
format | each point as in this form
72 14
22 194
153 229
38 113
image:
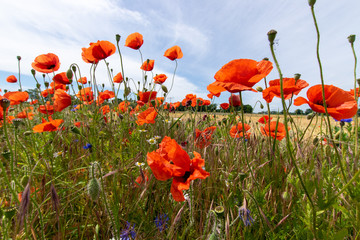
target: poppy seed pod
17 122
33 72
312 2
271 36
351 38
5 103
18 58
117 37
219 210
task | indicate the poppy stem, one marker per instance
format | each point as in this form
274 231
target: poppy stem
323 92
288 143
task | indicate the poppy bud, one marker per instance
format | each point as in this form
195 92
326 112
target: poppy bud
266 59
5 90
38 85
27 133
153 103
261 106
297 76
6 154
310 116
46 84
93 189
73 68
117 37
164 88
127 91
75 130
18 58
69 74
33 72
351 38
259 89
312 2
316 141
358 81
271 36
43 75
103 85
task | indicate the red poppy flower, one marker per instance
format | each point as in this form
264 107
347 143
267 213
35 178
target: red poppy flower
57 86
118 78
147 116
16 97
86 94
105 95
34 102
61 100
134 41
46 92
148 65
357 92
142 179
146 97
104 109
61 78
203 138
26 113
189 100
46 63
123 106
240 75
290 87
237 131
160 78
225 106
11 79
82 80
264 119
275 130
234 100
340 104
173 53
47 109
171 161
206 102
48 126
98 51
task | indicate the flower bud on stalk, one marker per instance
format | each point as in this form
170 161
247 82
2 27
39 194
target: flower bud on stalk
271 36
351 38
5 103
312 3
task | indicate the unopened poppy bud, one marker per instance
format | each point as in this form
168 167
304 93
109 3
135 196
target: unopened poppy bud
266 59
43 75
351 38
103 85
153 103
271 36
73 68
69 74
117 37
259 89
297 76
358 81
127 91
164 88
46 84
75 130
310 116
17 122
79 87
312 2
5 90
33 72
6 154
261 106
93 189
5 103
219 210
18 58
27 133
38 85
316 141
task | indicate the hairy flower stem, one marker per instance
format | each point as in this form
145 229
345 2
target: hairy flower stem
288 142
244 138
356 120
323 92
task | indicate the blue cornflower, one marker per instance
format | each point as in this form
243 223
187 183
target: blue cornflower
245 216
344 120
87 146
161 222
128 233
74 109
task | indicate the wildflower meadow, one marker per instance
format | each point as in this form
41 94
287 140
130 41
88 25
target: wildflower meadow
81 160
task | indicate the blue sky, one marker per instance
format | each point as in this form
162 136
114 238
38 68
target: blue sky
210 33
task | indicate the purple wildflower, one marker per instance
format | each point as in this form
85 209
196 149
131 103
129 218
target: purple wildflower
128 233
161 222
